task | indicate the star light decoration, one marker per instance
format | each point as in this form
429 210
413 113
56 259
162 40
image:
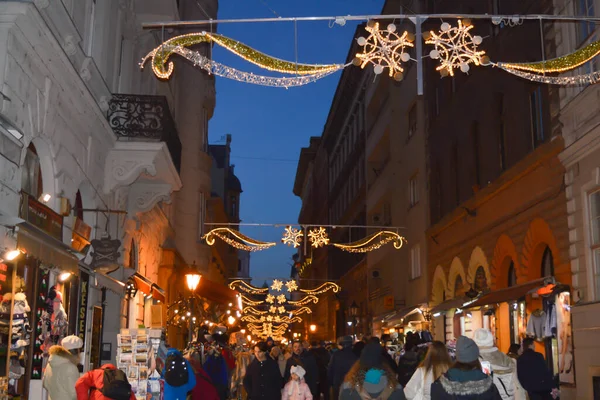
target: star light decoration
318 237
281 299
384 48
455 47
292 236
277 285
270 299
291 286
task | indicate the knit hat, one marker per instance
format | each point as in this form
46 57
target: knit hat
371 356
466 350
345 341
298 370
270 339
72 342
485 340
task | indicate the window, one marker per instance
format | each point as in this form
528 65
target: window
585 8
31 178
595 238
537 124
413 190
412 121
201 215
78 206
476 164
233 206
512 274
547 263
92 23
415 262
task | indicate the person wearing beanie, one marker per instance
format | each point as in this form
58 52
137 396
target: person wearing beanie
504 368
61 373
296 388
371 378
340 363
179 376
465 380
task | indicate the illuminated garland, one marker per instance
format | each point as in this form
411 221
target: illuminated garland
301 310
318 237
311 298
160 56
327 286
576 80
292 236
369 243
252 310
559 64
246 287
247 244
250 302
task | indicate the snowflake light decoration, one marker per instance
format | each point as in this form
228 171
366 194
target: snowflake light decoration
318 237
455 47
272 309
281 309
281 299
269 318
384 48
291 286
277 318
270 299
277 285
292 236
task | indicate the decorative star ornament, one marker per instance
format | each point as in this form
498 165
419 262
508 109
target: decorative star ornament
455 47
272 309
269 318
281 309
384 48
291 286
318 237
277 318
277 285
281 299
292 236
270 299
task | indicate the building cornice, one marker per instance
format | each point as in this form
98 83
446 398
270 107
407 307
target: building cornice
581 148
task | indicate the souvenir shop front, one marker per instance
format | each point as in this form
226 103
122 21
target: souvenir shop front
415 319
40 292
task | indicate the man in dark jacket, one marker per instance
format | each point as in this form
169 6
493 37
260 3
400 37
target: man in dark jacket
340 364
533 373
322 356
263 379
301 356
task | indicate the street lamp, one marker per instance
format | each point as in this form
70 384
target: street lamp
353 309
313 328
192 279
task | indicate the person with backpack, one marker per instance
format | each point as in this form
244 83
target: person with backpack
204 389
104 383
179 376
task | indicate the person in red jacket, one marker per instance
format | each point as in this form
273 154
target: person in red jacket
89 384
204 389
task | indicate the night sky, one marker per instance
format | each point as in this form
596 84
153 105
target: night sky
269 126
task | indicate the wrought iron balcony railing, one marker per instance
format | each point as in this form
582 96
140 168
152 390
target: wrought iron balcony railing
143 117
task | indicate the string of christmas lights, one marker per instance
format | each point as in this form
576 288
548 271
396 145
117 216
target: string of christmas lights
311 298
246 243
239 284
369 243
325 287
250 302
575 80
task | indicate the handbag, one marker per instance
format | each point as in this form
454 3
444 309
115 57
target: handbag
420 395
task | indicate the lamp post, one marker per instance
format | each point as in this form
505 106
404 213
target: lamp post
192 279
353 312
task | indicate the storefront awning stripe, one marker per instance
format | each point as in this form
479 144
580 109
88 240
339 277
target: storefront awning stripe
158 293
110 283
217 293
508 294
148 287
403 314
450 304
47 249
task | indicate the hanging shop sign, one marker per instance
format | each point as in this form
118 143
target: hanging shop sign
106 254
565 338
41 216
388 302
81 235
84 281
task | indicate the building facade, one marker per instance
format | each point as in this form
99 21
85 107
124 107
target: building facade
74 170
581 159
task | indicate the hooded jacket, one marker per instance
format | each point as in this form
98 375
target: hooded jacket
382 390
296 390
457 384
61 374
179 392
504 373
88 383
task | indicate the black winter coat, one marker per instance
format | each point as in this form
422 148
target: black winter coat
464 385
307 361
534 375
340 364
263 380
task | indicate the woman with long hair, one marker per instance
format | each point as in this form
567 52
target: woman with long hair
436 363
371 378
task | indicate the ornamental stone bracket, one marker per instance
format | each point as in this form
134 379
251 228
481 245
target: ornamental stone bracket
142 172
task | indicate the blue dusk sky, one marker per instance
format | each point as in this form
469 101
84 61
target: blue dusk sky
269 126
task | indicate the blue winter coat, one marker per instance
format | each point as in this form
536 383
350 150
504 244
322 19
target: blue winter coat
179 392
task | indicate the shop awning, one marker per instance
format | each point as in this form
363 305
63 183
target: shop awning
110 283
216 292
450 304
148 287
404 313
46 248
508 294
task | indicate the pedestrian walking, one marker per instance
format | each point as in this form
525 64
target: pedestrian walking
533 373
436 363
263 379
61 373
340 363
104 383
296 388
301 356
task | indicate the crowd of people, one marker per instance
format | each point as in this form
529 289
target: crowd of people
366 370
362 370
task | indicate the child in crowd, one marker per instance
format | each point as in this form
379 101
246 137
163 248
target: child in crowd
296 388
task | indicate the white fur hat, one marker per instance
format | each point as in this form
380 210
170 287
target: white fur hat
484 340
298 370
72 342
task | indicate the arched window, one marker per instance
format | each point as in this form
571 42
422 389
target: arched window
459 287
31 178
133 256
547 263
78 206
480 280
512 274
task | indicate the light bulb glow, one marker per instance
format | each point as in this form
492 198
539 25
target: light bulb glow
192 281
11 255
64 276
46 197
231 320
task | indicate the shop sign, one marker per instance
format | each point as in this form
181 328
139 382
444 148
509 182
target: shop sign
84 285
41 216
388 302
105 257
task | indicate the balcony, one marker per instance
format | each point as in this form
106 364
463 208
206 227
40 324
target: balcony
144 118
146 157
